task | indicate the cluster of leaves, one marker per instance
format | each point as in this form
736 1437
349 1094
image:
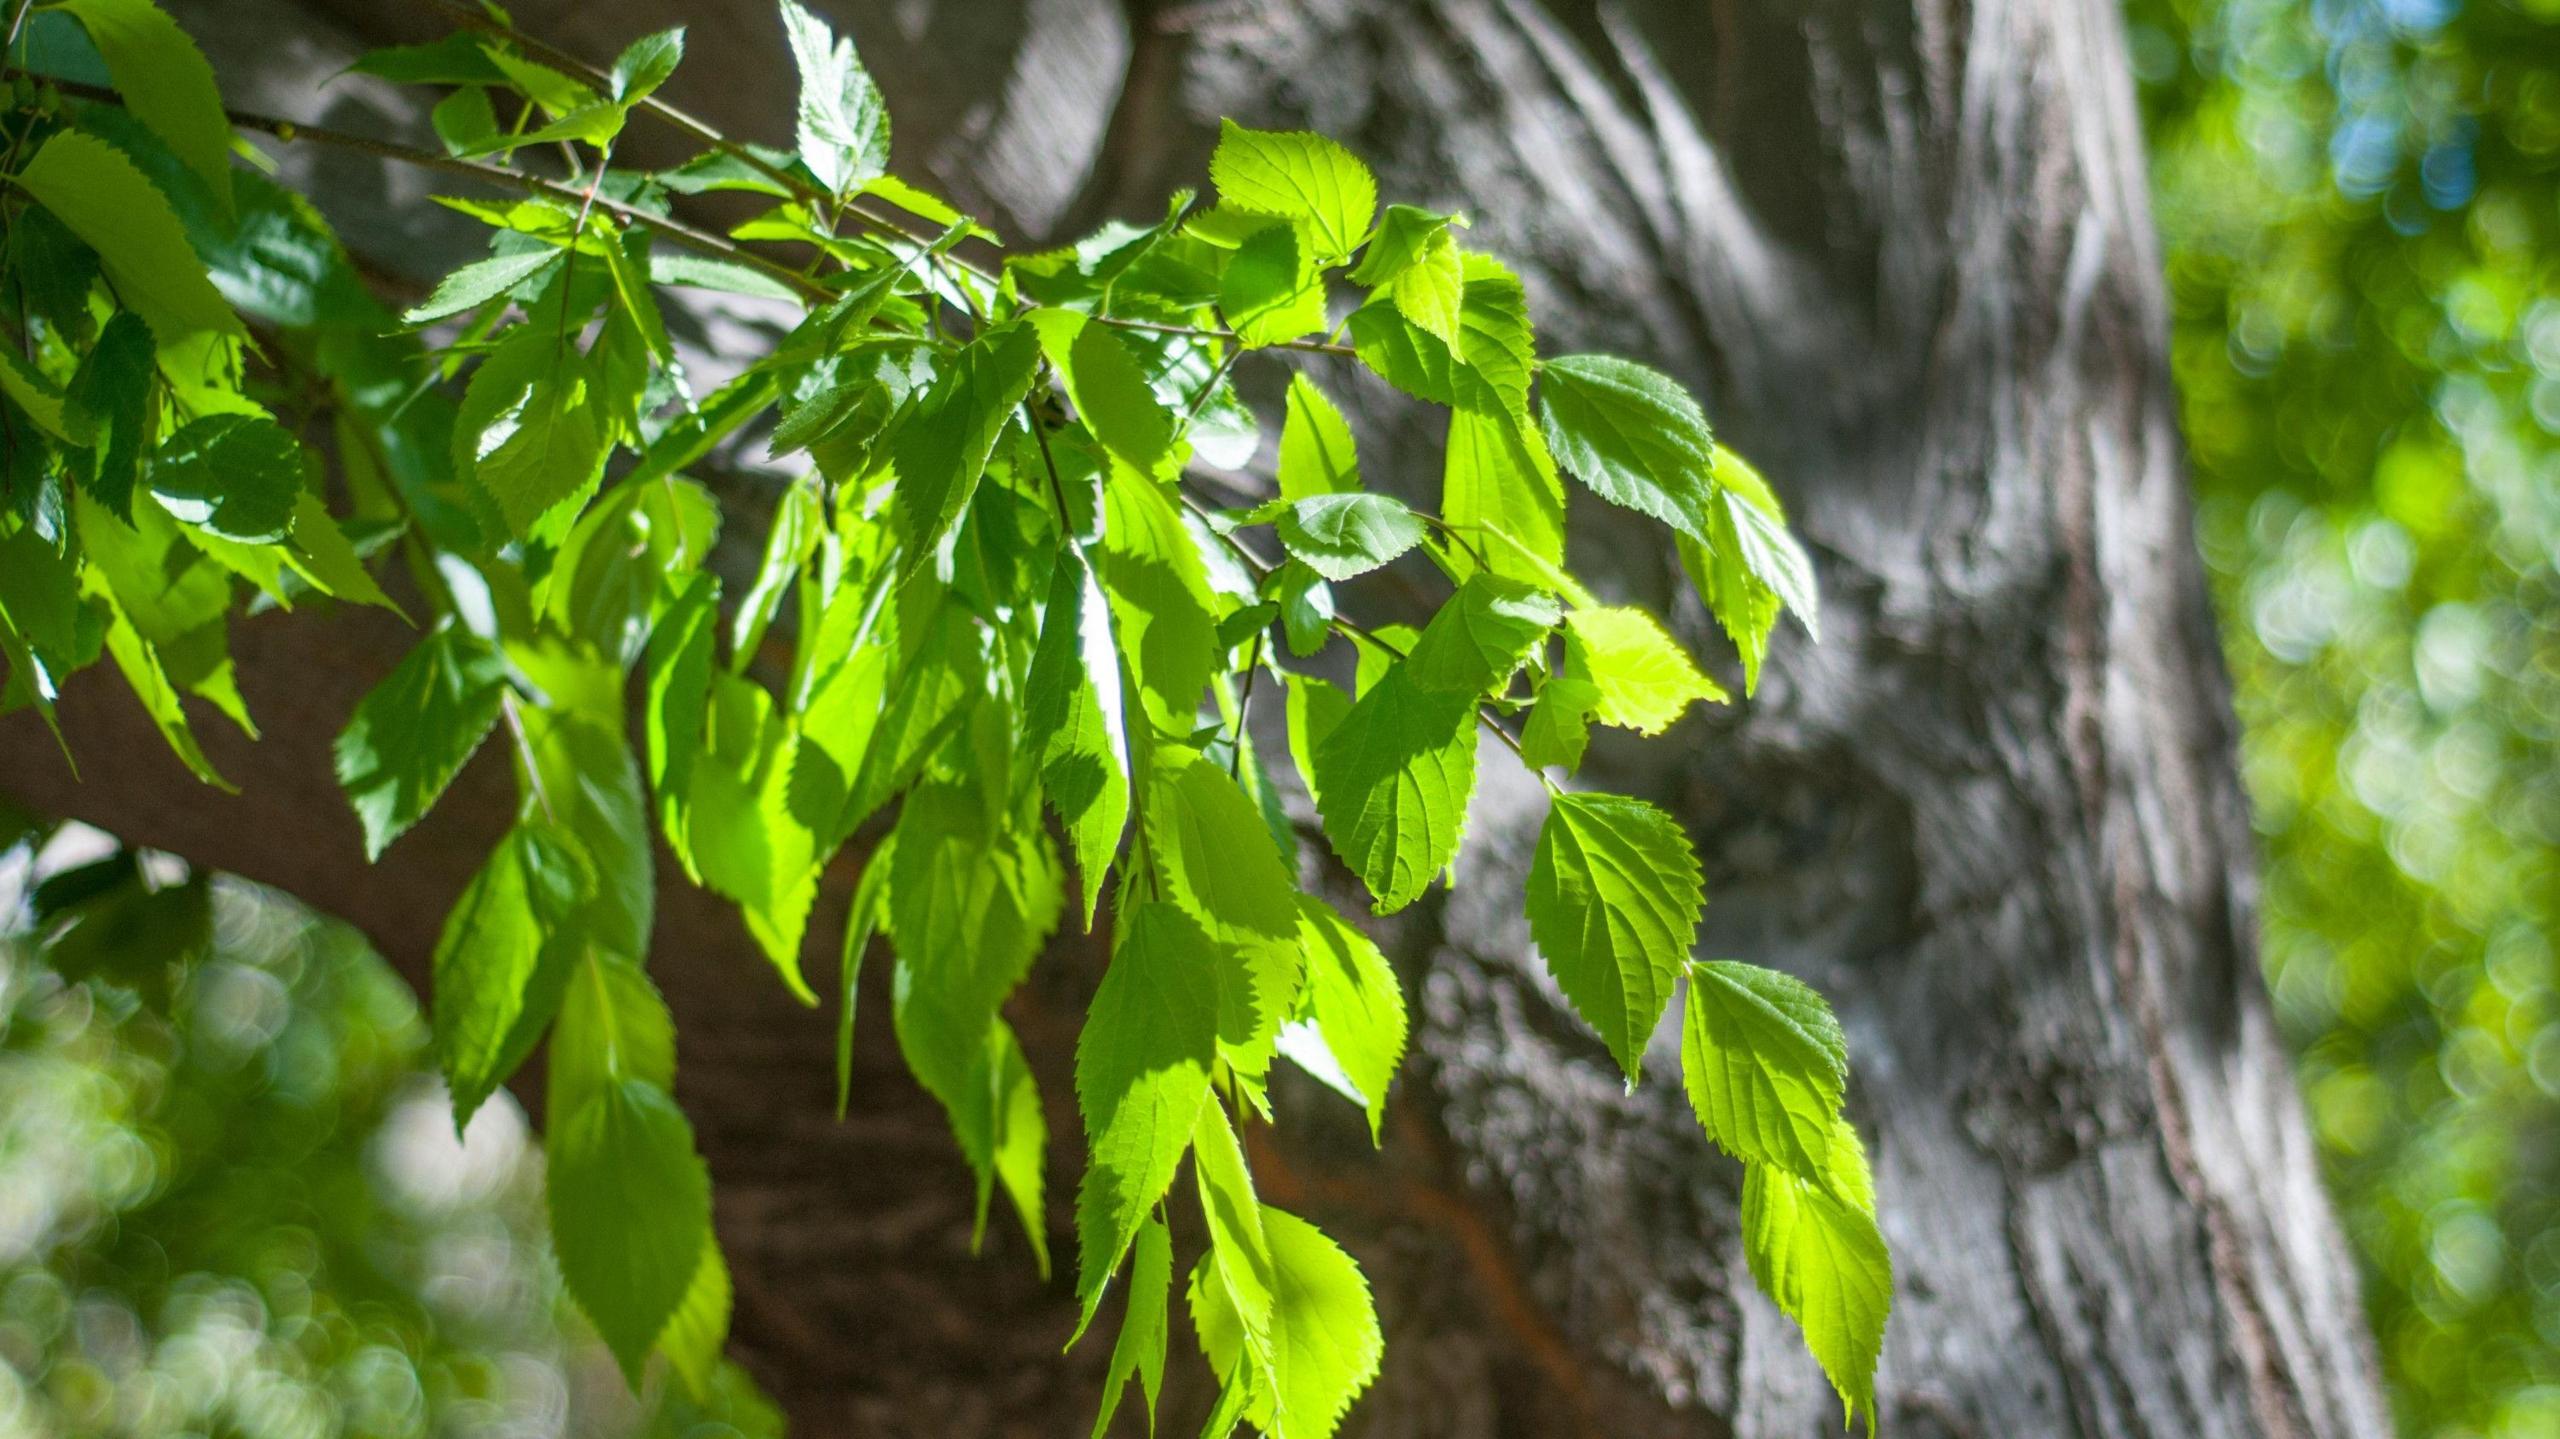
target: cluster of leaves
1011 593
2361 209
236 1204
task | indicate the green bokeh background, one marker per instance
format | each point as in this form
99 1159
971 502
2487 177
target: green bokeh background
2360 206
231 1203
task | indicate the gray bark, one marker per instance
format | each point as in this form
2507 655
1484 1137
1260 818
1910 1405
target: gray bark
1904 248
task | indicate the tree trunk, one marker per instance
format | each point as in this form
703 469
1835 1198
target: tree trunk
1905 249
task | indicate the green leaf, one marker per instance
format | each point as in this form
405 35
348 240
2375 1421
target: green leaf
1497 475
1159 591
613 1025
1614 898
699 1329
630 1212
34 392
588 782
1317 456
110 398
944 668
1142 1073
1343 535
481 281
1645 679
1404 232
322 554
1482 636
1494 338
97 193
1139 1351
1239 1257
1632 435
531 429
799 518
1432 290
1815 1249
411 733
165 83
1392 781
1325 1339
703 272
457 59
622 564
1750 567
861 922
1215 859
1073 726
239 476
1354 1004
747 838
594 122
515 918
1300 176
139 659
971 899
555 92
1306 607
1271 289
645 64
1559 726
843 126
942 446
1109 386
678 682
464 120
1765 1065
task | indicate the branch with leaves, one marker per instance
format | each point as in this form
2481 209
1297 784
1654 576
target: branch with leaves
1020 590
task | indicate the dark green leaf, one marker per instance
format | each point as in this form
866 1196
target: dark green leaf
411 734
942 447
238 476
110 399
516 917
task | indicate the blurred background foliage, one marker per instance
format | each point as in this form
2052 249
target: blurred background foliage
231 1203
2360 208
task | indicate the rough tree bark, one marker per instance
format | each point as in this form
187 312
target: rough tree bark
1905 248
